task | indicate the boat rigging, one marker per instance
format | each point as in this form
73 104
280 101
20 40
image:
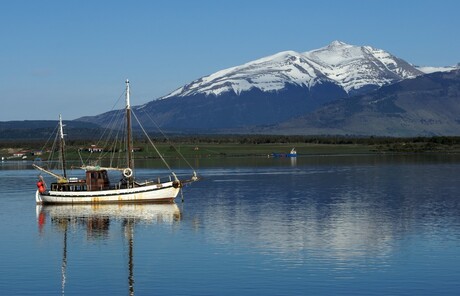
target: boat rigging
96 186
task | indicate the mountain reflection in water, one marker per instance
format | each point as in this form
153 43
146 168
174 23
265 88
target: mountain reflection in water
353 214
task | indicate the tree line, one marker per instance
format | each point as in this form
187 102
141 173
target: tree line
255 140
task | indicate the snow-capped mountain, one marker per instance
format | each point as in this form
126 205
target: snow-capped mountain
279 88
351 67
355 67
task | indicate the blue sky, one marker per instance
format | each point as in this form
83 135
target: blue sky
72 57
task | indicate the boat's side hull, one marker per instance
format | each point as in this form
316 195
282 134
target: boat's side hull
152 193
284 155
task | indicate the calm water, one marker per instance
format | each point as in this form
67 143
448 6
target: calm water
362 225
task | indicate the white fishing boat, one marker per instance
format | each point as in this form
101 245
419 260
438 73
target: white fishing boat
95 187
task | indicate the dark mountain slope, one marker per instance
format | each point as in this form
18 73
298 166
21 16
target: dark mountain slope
425 105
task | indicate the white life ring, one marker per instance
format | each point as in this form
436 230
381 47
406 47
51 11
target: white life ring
127 172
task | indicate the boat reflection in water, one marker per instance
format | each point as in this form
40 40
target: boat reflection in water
145 213
97 219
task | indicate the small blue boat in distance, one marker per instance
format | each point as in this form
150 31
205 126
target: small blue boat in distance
293 153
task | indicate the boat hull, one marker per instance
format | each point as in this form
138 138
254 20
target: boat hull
152 193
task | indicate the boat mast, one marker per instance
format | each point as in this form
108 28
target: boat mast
129 140
62 145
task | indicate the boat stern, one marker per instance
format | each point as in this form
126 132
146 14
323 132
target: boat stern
38 198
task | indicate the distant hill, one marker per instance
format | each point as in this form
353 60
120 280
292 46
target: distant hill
427 105
42 129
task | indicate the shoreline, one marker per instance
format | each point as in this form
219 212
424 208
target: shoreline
220 151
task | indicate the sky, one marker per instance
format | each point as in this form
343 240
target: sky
72 57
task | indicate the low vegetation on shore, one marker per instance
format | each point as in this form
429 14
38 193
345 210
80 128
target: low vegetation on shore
244 145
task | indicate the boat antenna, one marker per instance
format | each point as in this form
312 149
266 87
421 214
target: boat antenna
62 144
129 139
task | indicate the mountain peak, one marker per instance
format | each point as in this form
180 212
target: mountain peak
337 43
348 66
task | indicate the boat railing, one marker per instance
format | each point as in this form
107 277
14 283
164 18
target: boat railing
158 180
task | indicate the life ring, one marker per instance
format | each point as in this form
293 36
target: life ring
128 173
177 184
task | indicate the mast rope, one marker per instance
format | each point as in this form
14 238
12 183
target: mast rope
107 133
151 142
167 139
53 133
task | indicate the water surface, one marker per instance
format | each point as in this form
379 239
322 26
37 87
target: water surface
349 225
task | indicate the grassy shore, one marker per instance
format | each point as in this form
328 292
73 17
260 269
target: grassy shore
214 150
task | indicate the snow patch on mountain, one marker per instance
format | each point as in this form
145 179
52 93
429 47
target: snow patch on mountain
267 74
349 66
354 67
428 70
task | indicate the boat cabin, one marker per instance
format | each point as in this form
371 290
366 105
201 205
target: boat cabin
96 180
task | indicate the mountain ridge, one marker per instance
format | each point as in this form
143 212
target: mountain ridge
273 90
428 105
338 62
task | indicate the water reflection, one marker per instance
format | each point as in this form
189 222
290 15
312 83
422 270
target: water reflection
140 213
355 214
341 232
327 226
97 220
